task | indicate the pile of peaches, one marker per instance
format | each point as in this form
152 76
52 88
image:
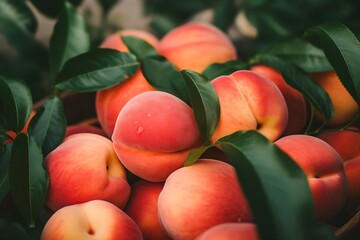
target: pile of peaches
125 178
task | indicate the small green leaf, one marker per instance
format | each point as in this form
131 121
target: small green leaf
224 14
303 54
28 177
204 101
16 100
342 49
69 38
96 70
12 230
48 126
217 69
275 186
139 47
5 157
299 80
195 154
164 76
49 8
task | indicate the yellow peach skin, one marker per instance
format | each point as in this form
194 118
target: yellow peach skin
230 231
249 101
295 100
200 196
95 219
345 107
195 46
83 168
324 169
109 102
154 133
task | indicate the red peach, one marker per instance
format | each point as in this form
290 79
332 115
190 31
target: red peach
200 196
95 219
154 133
230 231
85 167
249 101
195 46
324 169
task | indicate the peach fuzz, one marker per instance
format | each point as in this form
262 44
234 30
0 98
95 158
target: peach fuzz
230 231
295 100
249 101
85 167
347 144
109 102
95 219
142 207
195 46
324 170
345 107
200 196
154 133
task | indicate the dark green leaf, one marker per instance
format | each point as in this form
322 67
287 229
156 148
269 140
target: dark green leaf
224 14
139 47
299 80
28 177
96 70
275 186
204 102
303 54
12 231
70 38
322 231
342 49
217 69
164 76
5 157
195 154
49 8
48 125
16 102
106 5
18 11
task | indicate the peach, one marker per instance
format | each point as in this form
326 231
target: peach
95 219
347 144
324 169
230 231
109 102
345 107
142 207
195 46
200 196
154 133
85 167
249 101
295 100
79 128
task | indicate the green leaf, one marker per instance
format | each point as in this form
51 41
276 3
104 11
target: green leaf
96 70
164 76
303 54
275 186
224 14
69 38
204 102
12 230
49 8
299 80
48 126
5 157
16 102
106 5
342 49
28 177
195 154
217 69
139 47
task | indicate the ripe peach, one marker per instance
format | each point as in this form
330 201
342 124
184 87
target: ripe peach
109 102
230 231
345 107
195 46
249 101
200 196
85 167
95 219
295 100
142 207
324 169
154 133
347 144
